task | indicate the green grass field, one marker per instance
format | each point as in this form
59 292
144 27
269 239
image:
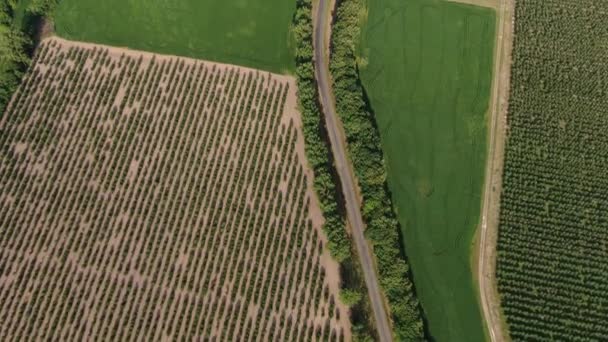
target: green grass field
427 68
248 33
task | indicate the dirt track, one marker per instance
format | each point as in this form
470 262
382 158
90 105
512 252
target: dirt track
488 234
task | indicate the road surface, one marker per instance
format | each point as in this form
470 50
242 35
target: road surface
490 301
347 178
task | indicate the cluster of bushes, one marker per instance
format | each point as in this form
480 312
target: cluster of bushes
317 151
366 155
42 7
14 59
18 30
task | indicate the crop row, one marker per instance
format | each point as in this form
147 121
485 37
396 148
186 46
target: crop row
552 263
154 197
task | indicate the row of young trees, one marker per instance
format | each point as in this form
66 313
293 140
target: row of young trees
552 265
157 198
366 155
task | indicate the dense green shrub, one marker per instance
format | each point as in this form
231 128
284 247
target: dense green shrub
42 7
17 31
317 151
13 57
350 297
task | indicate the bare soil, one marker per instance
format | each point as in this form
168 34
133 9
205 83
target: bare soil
160 198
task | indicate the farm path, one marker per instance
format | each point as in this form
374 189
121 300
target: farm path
488 233
322 27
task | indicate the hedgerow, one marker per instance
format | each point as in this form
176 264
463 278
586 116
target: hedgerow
319 157
14 58
366 155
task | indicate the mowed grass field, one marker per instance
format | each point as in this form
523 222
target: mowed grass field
247 33
427 68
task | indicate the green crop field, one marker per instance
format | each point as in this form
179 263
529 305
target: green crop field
427 69
552 265
239 32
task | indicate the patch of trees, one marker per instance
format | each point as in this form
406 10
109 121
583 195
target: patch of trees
13 57
317 150
42 7
17 34
366 155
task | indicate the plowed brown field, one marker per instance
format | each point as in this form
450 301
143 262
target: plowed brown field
153 197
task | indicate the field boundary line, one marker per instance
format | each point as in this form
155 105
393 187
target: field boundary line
490 299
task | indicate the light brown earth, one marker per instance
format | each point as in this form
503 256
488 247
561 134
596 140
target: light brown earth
159 206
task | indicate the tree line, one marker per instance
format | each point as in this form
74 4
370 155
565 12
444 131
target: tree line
353 290
366 155
365 152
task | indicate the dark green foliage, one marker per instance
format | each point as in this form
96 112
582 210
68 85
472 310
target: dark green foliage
350 297
18 26
553 234
317 151
42 7
366 155
319 157
13 57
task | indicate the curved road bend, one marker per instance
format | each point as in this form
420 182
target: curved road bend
346 176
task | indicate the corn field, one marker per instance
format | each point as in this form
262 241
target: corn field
553 237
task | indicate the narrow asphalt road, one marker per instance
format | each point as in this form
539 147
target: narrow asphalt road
344 171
